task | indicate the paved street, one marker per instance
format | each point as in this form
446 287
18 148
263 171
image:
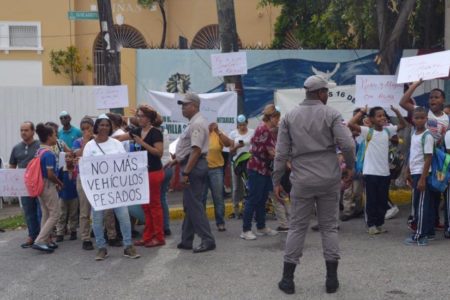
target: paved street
379 267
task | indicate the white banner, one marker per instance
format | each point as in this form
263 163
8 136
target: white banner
12 183
425 67
379 90
215 107
340 98
115 180
115 96
228 64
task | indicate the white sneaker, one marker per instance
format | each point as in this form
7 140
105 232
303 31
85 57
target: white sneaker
248 235
391 212
266 231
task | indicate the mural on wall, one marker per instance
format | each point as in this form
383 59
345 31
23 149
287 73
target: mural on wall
268 71
178 83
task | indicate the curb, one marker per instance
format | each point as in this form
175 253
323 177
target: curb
398 197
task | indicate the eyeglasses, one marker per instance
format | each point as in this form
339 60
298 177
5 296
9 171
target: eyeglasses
64 117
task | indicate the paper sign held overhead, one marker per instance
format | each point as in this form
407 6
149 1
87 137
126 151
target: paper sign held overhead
111 96
12 183
228 64
430 66
379 90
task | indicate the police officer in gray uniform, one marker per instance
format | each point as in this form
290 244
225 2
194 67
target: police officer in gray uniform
307 137
191 153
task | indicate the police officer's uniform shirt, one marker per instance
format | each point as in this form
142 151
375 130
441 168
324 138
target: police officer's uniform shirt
196 134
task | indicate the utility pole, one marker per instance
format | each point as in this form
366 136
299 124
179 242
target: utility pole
447 45
229 43
110 52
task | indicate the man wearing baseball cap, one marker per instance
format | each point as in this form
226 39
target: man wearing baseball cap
68 133
308 136
190 154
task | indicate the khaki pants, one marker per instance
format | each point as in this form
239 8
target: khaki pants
326 200
282 211
85 215
69 216
352 197
49 201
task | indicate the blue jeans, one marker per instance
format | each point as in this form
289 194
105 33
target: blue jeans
124 221
214 181
255 203
32 211
168 172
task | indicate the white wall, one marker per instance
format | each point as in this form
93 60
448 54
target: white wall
40 104
20 73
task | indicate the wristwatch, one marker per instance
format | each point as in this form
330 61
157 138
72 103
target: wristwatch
184 174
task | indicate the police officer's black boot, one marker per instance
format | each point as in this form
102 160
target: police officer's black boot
332 282
287 282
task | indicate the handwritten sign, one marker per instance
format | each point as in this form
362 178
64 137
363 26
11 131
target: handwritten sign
378 90
227 64
430 66
111 96
115 180
12 183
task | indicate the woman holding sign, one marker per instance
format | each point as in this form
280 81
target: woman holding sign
151 140
103 144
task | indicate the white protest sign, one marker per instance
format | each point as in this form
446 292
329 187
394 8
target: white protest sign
61 160
115 180
111 96
340 98
227 64
215 107
379 90
12 183
430 66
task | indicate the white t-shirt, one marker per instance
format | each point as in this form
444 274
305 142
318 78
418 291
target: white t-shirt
236 137
376 160
437 126
417 152
126 144
447 140
111 146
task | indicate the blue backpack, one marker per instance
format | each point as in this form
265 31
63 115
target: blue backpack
439 177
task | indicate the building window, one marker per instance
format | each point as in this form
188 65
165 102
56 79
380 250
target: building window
20 36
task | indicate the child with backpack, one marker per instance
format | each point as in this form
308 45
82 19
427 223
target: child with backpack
376 163
421 152
48 197
438 124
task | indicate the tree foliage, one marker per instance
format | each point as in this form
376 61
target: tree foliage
149 4
387 25
69 64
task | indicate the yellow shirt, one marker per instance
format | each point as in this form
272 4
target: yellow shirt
214 157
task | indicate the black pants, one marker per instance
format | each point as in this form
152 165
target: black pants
377 194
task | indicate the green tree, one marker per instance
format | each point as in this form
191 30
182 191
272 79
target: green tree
69 64
388 25
149 4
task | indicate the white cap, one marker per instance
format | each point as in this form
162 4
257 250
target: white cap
317 82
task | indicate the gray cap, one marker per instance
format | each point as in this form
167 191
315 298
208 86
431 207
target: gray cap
189 98
317 82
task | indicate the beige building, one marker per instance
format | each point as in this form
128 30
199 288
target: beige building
29 30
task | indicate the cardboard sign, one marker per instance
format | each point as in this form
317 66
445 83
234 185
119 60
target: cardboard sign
12 183
111 96
227 64
115 180
379 90
430 66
